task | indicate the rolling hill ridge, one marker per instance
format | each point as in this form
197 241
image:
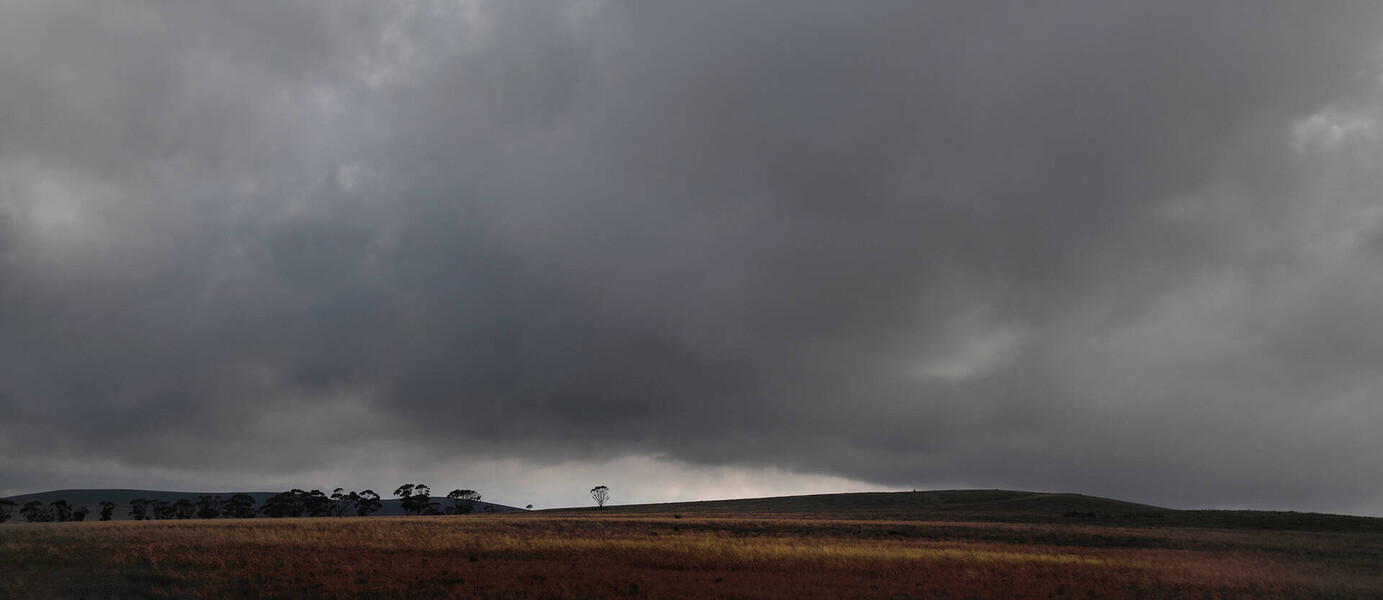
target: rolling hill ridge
997 506
1000 506
91 499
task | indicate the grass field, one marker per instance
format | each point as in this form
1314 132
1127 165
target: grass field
637 553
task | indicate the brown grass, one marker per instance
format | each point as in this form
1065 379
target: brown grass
612 555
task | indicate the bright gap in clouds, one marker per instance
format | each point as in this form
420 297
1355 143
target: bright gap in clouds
632 480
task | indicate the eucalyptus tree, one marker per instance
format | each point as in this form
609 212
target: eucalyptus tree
601 495
342 503
35 512
462 501
317 504
139 508
164 510
184 509
414 498
285 504
368 502
209 507
62 511
240 506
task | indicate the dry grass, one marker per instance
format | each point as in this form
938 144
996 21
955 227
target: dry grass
542 556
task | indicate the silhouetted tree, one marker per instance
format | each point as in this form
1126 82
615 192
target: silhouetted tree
163 510
240 506
208 507
285 504
341 502
529 507
462 501
61 510
35 512
139 508
404 492
317 504
107 510
414 498
5 507
80 513
276 506
184 509
601 495
367 503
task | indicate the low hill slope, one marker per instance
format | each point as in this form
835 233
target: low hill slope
1005 506
121 497
91 499
875 504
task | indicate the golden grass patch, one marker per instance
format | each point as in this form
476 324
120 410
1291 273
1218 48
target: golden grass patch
532 556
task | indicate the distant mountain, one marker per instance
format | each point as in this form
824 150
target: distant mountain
91 499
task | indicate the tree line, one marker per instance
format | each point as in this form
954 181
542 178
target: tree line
415 499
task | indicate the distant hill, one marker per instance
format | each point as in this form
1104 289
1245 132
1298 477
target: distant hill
872 504
995 506
1000 506
91 499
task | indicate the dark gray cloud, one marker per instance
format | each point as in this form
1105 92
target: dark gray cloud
1126 249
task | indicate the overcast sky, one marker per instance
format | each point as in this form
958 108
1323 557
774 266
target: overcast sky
695 249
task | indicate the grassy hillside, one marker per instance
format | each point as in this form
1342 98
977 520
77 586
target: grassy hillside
556 555
874 504
1000 506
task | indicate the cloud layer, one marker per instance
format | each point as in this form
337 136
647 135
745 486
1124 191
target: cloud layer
1129 249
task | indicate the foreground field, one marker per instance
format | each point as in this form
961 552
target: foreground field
632 555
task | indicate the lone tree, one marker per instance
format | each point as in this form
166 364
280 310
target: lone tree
462 501
107 509
601 495
5 507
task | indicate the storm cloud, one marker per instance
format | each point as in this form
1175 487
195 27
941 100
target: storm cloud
1129 249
